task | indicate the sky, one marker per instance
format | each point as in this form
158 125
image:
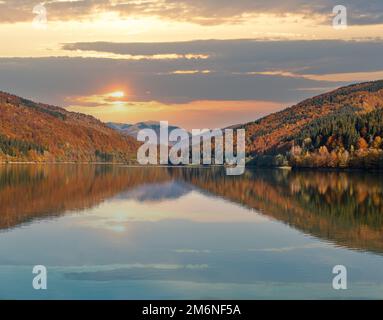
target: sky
193 63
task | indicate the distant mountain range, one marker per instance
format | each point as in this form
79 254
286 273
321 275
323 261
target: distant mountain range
342 128
133 129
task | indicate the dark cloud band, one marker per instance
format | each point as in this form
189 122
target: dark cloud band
235 70
197 11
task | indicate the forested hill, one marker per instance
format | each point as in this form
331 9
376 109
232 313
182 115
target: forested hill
342 128
32 131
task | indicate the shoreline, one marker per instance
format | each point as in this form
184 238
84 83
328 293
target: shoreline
136 165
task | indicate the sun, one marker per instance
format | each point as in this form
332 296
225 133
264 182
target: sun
117 94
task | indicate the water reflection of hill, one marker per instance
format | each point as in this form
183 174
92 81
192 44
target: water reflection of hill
31 192
345 208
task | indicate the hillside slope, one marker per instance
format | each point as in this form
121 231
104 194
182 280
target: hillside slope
32 131
346 123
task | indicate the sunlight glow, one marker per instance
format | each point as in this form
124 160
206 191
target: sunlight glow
117 94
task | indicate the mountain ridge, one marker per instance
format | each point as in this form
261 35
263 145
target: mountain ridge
307 110
133 129
344 123
33 131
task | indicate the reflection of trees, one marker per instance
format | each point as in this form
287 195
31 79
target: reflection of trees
346 208
29 192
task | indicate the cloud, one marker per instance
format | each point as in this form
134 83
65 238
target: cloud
247 55
228 81
239 70
197 11
53 79
291 248
336 77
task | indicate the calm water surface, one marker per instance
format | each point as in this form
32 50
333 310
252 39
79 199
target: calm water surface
115 232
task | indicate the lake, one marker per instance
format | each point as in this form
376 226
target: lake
119 232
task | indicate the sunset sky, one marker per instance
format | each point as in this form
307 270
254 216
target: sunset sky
194 63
